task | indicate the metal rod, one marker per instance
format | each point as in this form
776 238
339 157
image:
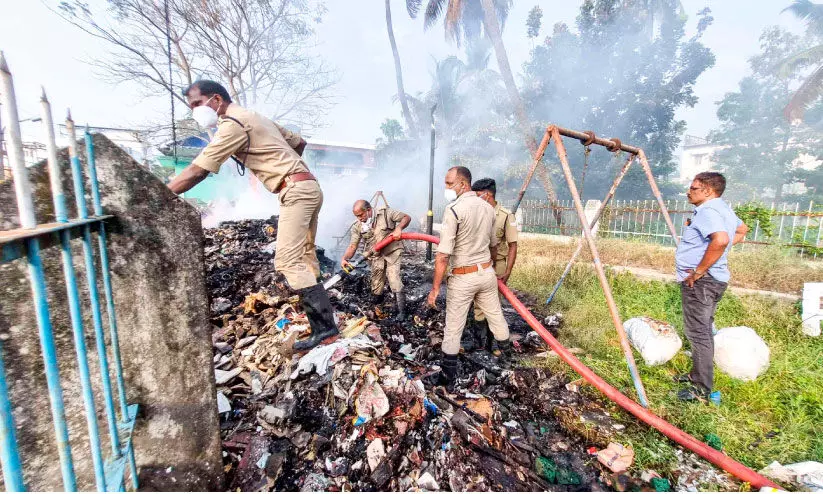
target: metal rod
607 143
598 266
598 214
95 189
55 177
41 306
37 278
657 194
22 188
82 360
73 296
97 320
538 157
76 169
9 454
430 213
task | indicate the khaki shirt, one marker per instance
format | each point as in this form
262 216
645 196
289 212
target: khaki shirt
505 229
271 155
468 231
384 221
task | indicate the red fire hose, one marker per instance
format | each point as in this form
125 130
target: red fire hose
719 459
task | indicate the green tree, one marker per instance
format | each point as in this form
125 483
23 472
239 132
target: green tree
611 77
398 71
468 19
534 22
805 58
761 149
392 130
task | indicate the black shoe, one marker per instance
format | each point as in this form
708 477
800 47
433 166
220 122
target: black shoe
400 300
682 378
377 299
447 375
502 350
481 334
320 314
693 393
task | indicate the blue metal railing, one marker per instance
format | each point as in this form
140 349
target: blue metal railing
26 242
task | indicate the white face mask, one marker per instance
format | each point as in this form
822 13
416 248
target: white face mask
450 195
365 227
204 115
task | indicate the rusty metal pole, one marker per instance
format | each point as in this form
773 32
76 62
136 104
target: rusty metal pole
657 195
538 157
597 216
598 266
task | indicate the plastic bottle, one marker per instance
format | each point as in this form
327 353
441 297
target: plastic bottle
714 397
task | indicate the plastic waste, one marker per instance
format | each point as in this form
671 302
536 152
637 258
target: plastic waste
741 353
656 341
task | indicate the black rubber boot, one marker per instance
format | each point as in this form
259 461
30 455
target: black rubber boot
400 300
320 314
481 334
377 299
448 374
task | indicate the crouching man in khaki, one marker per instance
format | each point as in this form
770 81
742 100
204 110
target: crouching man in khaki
373 226
467 247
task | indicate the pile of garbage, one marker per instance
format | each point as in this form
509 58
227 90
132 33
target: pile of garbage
357 414
239 259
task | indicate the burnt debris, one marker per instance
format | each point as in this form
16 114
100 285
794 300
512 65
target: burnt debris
355 414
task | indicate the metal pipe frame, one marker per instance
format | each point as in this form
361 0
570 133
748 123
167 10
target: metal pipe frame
598 266
9 457
127 413
538 157
73 296
600 210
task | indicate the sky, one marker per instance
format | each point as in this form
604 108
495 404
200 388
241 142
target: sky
353 38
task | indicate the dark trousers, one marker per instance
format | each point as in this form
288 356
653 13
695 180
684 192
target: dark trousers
699 305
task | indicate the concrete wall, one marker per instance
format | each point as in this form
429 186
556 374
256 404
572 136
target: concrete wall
155 246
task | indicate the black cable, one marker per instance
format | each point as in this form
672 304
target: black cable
171 86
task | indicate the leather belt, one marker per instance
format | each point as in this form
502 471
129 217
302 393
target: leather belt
294 178
471 269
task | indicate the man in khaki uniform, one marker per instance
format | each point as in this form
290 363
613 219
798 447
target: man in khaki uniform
372 226
467 247
273 154
505 229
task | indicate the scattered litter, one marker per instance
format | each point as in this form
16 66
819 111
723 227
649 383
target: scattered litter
806 475
741 353
223 404
427 482
656 341
375 453
222 377
616 457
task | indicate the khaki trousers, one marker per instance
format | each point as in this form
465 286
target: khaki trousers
295 254
386 268
499 270
479 287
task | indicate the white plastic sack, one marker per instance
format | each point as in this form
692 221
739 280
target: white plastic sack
656 341
806 475
741 353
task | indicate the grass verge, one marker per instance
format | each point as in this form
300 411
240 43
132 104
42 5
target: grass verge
777 417
758 267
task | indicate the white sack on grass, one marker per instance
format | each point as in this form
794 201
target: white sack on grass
741 353
656 341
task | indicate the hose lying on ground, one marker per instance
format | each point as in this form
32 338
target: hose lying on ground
719 459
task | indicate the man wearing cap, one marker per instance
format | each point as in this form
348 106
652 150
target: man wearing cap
273 154
505 229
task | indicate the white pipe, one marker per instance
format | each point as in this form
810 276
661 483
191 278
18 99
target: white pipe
55 178
22 187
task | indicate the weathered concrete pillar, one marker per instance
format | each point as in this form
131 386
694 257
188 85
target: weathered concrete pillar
156 252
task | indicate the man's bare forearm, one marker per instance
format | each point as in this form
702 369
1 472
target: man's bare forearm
441 264
713 253
188 178
512 257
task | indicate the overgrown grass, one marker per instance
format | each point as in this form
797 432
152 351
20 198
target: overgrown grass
787 399
758 267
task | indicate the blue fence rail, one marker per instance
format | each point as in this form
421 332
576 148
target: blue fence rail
26 243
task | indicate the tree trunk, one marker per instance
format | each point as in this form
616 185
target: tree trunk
492 26
401 92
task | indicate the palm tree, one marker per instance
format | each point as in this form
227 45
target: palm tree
812 87
467 19
401 92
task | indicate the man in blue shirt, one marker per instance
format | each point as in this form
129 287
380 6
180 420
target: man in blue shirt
703 273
